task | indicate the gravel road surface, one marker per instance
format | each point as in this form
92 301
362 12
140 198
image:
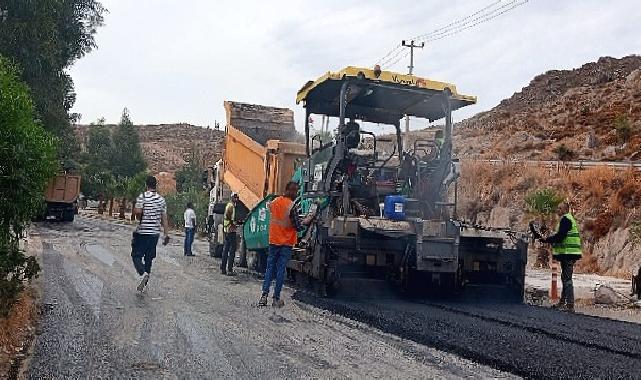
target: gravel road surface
195 323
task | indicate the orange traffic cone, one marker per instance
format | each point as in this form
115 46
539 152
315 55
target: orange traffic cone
554 290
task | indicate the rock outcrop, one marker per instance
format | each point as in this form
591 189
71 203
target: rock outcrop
594 111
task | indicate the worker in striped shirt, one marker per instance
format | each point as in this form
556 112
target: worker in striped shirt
151 210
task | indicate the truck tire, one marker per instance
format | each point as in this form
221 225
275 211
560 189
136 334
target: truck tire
69 216
215 249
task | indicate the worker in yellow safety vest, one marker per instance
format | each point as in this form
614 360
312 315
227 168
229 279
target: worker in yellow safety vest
566 249
284 225
230 226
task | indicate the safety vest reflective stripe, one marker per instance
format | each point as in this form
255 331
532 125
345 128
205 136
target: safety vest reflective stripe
571 245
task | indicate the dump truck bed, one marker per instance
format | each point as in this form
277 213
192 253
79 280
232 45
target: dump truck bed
63 189
253 170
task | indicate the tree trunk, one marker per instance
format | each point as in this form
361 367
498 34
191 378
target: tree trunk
111 206
123 204
133 204
101 206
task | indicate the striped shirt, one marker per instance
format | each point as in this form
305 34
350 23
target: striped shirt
153 206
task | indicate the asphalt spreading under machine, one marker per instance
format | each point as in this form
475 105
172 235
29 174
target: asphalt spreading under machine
385 216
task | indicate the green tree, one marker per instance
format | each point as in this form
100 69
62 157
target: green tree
45 37
96 161
27 162
177 202
133 187
623 128
127 158
190 176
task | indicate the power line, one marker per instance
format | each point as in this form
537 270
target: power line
455 27
464 26
461 29
460 20
399 46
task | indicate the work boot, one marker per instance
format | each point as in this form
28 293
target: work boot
143 282
569 308
263 300
278 302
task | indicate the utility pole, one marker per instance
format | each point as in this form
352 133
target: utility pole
411 45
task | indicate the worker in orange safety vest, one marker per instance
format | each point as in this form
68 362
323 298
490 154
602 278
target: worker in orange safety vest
284 225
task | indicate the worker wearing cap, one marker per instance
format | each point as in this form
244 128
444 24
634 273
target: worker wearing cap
284 225
566 249
229 231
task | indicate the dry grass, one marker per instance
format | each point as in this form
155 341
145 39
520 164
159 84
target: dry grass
16 330
601 198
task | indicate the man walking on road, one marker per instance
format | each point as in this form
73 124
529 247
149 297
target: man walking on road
190 228
284 225
229 231
566 249
151 210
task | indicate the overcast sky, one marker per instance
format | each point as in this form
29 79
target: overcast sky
177 61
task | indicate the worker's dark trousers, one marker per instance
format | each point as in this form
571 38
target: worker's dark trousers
567 270
229 252
143 251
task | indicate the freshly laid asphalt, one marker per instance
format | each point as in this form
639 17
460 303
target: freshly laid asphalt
528 341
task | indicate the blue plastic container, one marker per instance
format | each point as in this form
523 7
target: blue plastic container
394 207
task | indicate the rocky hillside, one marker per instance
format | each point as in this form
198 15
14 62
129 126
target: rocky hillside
167 147
593 112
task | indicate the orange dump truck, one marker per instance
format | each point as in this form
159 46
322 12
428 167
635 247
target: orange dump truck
61 197
253 170
260 158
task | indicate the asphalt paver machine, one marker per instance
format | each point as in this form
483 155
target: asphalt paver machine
383 213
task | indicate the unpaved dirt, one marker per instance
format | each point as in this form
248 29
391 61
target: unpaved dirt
195 323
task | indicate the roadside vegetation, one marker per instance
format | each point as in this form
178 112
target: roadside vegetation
190 187
542 205
44 39
27 161
113 167
39 41
605 201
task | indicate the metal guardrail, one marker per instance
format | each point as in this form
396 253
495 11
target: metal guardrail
578 165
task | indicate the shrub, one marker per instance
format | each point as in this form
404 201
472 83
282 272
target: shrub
543 201
27 161
177 202
623 128
564 153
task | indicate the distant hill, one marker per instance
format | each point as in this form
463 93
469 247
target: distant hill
595 111
168 146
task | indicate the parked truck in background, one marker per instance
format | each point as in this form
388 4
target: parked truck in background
61 197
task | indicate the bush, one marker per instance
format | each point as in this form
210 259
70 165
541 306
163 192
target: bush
543 201
564 153
623 128
27 161
177 202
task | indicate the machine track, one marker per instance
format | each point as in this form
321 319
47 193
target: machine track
528 341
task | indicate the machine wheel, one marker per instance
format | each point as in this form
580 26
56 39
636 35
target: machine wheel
68 216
